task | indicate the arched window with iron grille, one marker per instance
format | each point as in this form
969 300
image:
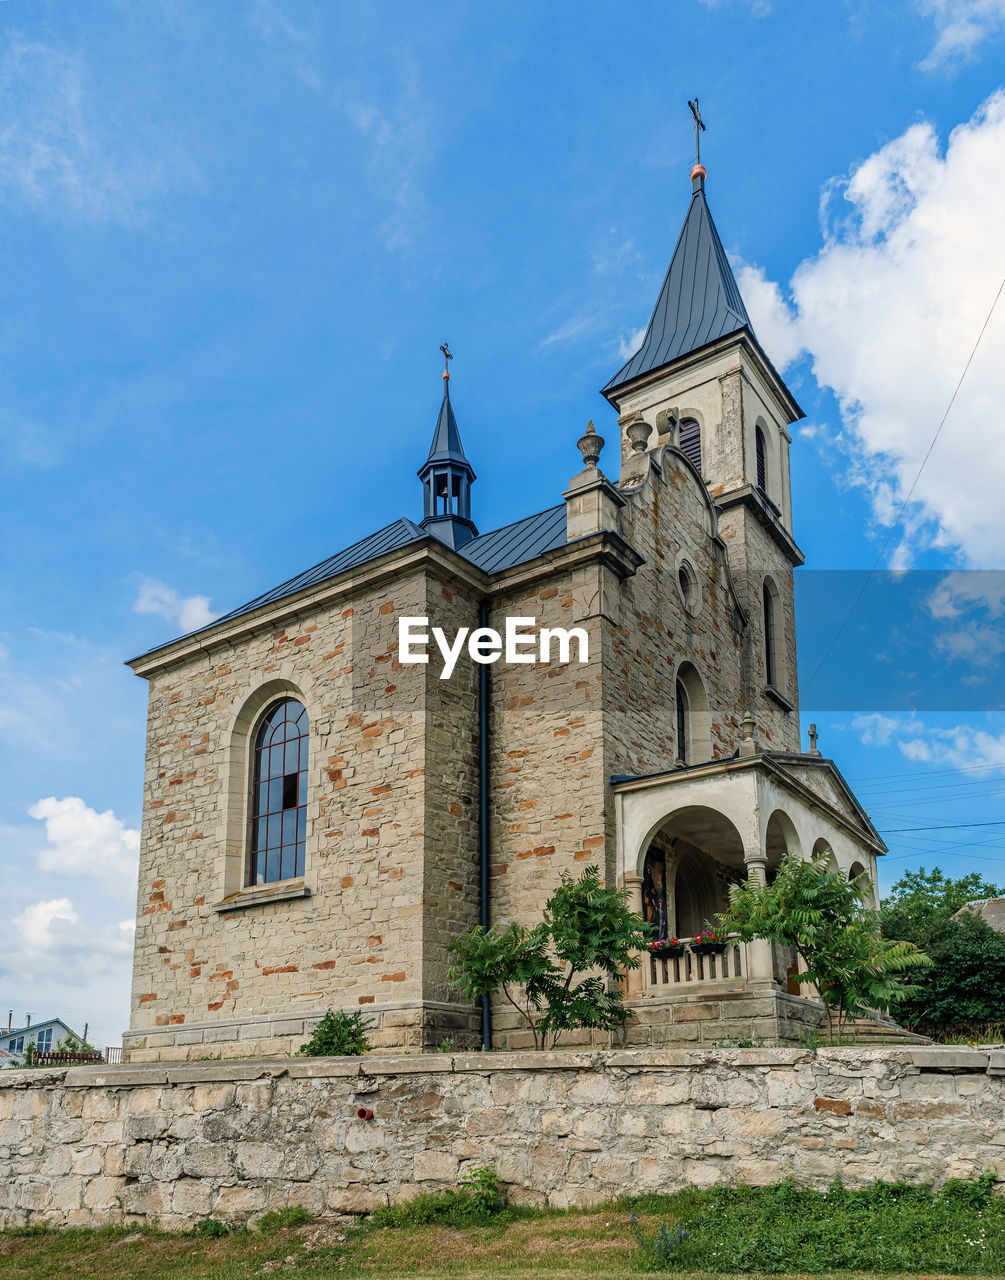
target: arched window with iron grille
760 453
279 794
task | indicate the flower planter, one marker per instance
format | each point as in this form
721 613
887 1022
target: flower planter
709 948
668 953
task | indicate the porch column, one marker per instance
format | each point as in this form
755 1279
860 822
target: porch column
632 881
760 964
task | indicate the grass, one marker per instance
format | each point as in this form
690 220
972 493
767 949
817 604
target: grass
883 1230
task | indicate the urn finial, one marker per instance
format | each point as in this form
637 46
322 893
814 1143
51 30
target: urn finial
590 445
639 432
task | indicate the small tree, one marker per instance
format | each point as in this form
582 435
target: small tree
921 905
816 909
558 975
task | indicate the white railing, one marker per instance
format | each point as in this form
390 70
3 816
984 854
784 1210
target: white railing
694 968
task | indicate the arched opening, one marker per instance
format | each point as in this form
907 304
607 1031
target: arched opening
858 869
760 452
693 721
690 861
690 442
822 846
780 840
771 619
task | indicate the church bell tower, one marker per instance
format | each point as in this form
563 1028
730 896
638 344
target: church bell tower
447 476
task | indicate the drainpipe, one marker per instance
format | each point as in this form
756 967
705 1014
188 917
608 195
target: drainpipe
483 809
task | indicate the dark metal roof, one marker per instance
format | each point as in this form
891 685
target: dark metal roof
491 552
698 303
446 445
518 542
391 537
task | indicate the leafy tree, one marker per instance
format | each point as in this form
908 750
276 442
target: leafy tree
558 975
819 911
338 1034
922 903
966 983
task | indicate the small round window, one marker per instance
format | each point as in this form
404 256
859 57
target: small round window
688 584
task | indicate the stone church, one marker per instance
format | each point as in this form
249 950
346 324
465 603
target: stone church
321 818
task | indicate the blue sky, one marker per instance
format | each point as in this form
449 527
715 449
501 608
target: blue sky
235 235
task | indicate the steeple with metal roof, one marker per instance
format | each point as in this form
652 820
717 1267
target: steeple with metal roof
699 302
447 475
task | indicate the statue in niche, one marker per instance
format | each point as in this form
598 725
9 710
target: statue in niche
654 891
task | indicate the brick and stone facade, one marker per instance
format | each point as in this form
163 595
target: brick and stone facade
668 739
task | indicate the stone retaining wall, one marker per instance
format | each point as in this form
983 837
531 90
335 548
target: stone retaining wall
232 1139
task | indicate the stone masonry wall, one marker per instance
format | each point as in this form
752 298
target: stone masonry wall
179 1142
392 799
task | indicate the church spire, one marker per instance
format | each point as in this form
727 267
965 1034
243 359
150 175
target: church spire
447 475
699 301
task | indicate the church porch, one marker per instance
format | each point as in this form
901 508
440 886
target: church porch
683 838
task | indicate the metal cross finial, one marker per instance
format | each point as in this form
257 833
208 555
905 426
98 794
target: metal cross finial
447 355
699 128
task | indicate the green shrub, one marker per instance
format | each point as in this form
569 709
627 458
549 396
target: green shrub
294 1215
338 1035
211 1229
479 1200
966 983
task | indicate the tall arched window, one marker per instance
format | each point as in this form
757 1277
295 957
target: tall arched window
682 735
690 442
772 636
760 454
279 794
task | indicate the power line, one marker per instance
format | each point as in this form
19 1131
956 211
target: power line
910 492
949 826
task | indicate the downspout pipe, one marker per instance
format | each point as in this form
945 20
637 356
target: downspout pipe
483 809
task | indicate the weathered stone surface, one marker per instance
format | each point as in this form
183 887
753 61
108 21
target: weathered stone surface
564 1128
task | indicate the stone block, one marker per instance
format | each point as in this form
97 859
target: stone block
434 1166
696 1012
951 1058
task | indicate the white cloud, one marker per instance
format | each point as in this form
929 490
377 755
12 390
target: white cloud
52 940
83 842
775 325
889 310
189 613
959 746
961 26
67 145
627 346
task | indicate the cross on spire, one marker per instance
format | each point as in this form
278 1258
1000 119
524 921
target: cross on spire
447 356
699 129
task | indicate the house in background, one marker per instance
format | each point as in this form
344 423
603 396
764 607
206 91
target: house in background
44 1035
990 910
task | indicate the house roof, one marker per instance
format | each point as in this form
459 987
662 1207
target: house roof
699 302
492 552
36 1026
990 910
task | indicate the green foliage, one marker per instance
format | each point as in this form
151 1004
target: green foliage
788 1229
816 909
921 904
339 1035
478 1201
966 983
211 1229
549 974
294 1215
661 1250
